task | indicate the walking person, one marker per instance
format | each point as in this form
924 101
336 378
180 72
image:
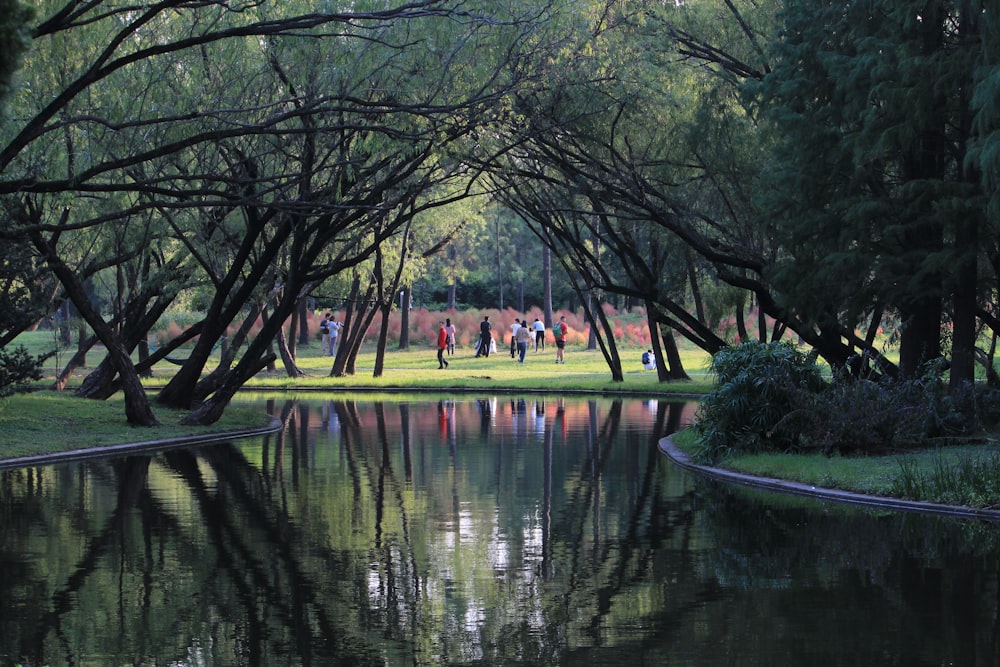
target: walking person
559 332
442 342
450 328
485 337
523 335
539 330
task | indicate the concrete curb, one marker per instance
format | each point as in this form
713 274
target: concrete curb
273 426
681 458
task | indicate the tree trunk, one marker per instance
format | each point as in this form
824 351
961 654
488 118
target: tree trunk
673 356
609 348
741 325
138 412
547 287
699 304
227 355
78 360
589 308
404 326
304 338
287 359
383 339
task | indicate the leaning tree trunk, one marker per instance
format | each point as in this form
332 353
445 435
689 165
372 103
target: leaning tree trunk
673 355
662 371
607 341
78 360
287 359
137 409
383 339
228 349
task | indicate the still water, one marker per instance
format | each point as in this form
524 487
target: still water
485 531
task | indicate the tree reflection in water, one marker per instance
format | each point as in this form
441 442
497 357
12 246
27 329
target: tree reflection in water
498 530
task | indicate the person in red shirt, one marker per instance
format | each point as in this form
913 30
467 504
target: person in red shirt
442 345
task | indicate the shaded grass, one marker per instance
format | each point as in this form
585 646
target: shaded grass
44 422
966 475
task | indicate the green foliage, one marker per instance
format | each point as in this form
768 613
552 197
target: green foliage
15 37
971 482
759 387
769 397
17 369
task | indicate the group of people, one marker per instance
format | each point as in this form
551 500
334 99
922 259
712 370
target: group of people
329 332
445 341
522 334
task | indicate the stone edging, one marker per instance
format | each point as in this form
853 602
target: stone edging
681 458
273 426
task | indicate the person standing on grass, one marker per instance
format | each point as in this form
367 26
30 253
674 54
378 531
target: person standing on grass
485 337
334 327
450 328
514 328
539 328
324 333
442 342
523 335
559 331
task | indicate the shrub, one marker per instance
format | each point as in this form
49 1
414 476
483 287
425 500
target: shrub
757 400
17 369
770 397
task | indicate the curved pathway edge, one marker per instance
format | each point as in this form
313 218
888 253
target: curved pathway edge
273 426
682 459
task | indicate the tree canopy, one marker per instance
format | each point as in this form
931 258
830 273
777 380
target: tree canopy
832 165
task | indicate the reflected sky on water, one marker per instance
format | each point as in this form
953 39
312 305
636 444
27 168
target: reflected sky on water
470 530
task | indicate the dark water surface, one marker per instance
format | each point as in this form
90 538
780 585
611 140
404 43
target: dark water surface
471 531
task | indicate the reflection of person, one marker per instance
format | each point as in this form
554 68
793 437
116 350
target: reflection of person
334 326
559 331
648 360
523 335
442 342
539 328
450 328
485 337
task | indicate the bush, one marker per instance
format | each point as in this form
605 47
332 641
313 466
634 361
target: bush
770 397
17 369
756 404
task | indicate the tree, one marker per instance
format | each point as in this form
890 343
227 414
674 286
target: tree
268 161
871 187
15 38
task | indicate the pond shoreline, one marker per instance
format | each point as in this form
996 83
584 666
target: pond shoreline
682 459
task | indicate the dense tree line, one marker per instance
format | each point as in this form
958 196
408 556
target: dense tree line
831 164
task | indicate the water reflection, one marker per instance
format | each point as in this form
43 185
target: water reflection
497 530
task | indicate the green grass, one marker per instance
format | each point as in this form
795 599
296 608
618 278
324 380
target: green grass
966 475
584 370
45 422
416 368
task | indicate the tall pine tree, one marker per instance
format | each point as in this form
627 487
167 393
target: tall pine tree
871 191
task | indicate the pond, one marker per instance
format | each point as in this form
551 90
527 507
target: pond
489 530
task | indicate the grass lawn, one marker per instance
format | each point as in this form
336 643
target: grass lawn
45 421
967 475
